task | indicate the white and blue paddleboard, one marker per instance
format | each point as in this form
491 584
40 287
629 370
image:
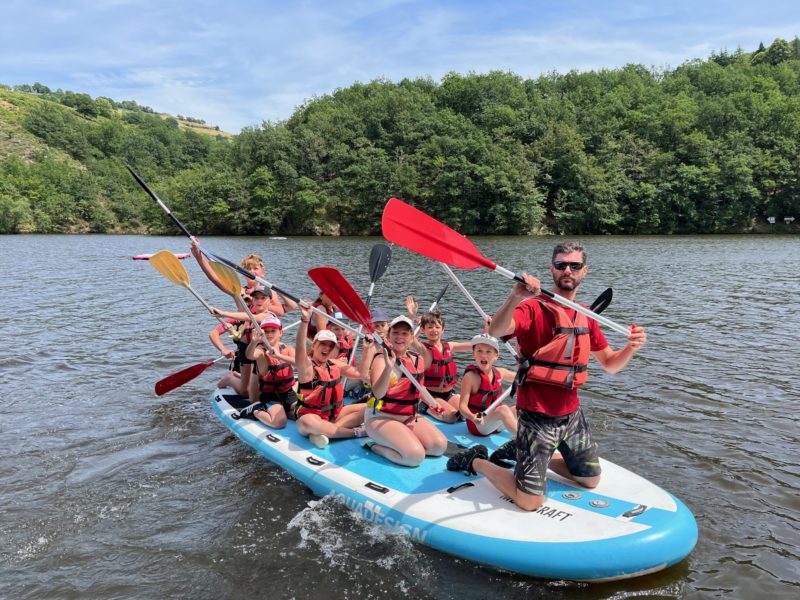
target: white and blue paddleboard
625 527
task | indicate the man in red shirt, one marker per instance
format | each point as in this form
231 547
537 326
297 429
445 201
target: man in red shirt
556 342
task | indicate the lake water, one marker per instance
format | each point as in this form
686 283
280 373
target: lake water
108 491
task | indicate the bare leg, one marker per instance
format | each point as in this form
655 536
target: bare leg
558 465
274 416
310 424
447 414
504 481
396 442
429 436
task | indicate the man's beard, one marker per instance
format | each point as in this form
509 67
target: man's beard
569 284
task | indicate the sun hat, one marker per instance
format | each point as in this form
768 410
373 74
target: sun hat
326 335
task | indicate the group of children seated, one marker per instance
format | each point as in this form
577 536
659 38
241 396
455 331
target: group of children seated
389 385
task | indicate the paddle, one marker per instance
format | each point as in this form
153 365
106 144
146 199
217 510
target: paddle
474 303
233 286
339 290
602 301
230 264
379 258
170 382
413 229
173 270
434 304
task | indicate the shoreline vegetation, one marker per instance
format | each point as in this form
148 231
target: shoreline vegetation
712 146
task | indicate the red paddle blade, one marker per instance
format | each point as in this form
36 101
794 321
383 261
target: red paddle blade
410 228
339 290
170 382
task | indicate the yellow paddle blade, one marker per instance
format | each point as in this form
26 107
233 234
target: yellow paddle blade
228 278
166 263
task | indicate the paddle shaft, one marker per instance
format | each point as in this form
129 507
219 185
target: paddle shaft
224 261
163 206
434 305
498 402
564 301
474 302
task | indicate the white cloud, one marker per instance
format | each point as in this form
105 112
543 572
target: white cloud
241 62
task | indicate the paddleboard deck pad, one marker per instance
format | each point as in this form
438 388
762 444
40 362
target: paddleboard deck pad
624 528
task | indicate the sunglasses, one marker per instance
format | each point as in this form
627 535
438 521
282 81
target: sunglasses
560 265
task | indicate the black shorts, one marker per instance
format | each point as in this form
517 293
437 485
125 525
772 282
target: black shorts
539 435
286 399
241 347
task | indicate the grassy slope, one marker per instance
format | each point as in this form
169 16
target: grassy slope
16 141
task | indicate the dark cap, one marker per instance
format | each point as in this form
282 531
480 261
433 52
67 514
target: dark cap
379 315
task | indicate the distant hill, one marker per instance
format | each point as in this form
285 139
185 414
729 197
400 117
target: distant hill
62 155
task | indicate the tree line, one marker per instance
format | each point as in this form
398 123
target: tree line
708 147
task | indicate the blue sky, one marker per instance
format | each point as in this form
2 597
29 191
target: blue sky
236 63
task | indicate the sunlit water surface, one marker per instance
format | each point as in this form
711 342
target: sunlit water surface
111 492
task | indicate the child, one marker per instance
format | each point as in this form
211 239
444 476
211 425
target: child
441 372
258 303
320 409
392 421
481 385
274 381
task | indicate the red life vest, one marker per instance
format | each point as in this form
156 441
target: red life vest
323 395
279 377
443 372
488 391
402 397
563 361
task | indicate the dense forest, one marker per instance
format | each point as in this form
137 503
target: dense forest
712 146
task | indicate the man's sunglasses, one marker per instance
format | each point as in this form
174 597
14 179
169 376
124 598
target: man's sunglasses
560 265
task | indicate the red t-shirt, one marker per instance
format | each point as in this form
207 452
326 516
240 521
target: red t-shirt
534 328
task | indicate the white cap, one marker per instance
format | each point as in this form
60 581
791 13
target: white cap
485 338
272 321
401 319
326 335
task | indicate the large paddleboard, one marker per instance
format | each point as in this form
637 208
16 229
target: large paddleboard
624 528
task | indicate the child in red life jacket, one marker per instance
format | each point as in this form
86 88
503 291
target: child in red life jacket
399 434
271 389
344 341
321 413
232 326
481 385
258 303
441 372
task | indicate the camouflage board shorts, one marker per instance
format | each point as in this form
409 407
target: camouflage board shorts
540 435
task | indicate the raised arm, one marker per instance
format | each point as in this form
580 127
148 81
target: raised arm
305 370
503 324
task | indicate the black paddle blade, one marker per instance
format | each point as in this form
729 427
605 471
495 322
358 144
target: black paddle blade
602 301
379 259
